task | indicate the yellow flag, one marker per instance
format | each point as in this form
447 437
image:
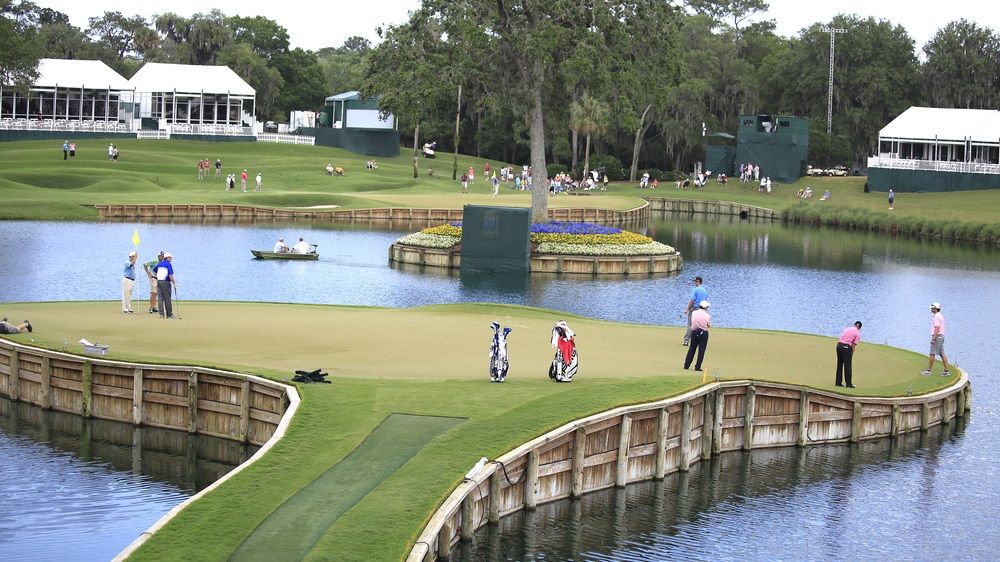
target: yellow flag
135 237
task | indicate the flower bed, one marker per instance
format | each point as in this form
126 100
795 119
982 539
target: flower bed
574 238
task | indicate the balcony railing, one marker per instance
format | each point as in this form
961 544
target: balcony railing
933 165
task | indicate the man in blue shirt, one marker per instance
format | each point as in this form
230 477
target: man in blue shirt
164 280
128 282
698 294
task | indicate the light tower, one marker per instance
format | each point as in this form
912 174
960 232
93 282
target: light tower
833 31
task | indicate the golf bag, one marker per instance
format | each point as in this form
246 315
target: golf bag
498 353
566 361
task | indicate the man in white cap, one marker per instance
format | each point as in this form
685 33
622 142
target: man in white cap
937 341
164 280
128 282
698 294
701 321
150 268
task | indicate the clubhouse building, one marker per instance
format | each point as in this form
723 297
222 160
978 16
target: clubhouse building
938 149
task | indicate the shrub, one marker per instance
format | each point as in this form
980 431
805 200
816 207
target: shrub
611 165
555 169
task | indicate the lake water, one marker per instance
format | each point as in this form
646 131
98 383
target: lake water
909 505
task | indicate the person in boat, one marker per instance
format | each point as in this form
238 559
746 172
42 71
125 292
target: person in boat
280 247
302 247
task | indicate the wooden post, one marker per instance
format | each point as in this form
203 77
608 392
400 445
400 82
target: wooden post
444 540
579 456
925 416
531 481
685 452
856 423
87 387
968 396
15 376
945 414
720 409
137 396
803 419
751 400
468 525
245 410
192 401
494 516
624 437
661 444
706 428
960 410
46 391
897 419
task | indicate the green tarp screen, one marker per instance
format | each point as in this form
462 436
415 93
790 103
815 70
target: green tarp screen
496 239
778 144
719 159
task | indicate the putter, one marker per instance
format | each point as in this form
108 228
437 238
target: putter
177 310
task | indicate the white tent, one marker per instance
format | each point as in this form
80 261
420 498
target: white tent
945 124
92 74
68 93
193 99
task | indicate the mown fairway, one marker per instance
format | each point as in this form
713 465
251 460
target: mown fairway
424 361
36 183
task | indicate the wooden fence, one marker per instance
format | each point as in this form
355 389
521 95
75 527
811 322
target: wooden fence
712 207
193 399
648 441
252 213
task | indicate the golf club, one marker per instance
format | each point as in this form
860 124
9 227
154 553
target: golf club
177 310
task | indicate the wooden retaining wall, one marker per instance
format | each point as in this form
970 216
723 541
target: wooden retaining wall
546 263
712 207
193 399
252 213
649 441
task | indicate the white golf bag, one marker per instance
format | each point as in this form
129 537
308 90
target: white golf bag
498 353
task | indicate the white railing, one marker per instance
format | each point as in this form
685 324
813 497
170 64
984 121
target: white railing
285 139
87 126
209 129
932 165
153 135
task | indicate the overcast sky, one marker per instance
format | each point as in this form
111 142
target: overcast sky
314 25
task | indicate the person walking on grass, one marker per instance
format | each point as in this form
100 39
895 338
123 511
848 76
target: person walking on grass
65 150
218 167
128 282
701 321
465 183
258 179
243 180
937 342
848 342
698 294
892 197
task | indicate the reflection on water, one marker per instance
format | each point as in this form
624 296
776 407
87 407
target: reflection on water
773 504
85 488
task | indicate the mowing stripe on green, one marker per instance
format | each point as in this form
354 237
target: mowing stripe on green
291 530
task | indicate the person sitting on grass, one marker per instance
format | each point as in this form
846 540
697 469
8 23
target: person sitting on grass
430 171
8 328
339 170
825 196
371 165
329 169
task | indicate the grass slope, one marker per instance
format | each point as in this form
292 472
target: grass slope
35 183
424 361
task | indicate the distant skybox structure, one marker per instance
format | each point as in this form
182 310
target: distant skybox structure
192 99
70 95
350 122
779 144
938 149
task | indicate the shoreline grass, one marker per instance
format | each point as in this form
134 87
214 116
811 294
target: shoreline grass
429 360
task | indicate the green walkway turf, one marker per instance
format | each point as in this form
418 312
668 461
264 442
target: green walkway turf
290 531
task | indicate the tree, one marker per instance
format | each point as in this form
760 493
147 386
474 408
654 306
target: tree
264 79
724 10
195 40
21 45
590 116
357 44
303 80
117 33
266 38
963 61
402 72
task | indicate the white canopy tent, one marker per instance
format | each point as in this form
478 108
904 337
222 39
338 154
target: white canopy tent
943 135
181 96
71 90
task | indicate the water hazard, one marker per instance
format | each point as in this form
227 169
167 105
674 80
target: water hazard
925 501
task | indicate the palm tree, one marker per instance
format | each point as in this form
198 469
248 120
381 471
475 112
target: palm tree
589 116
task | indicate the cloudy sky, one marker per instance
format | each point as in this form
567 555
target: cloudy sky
314 25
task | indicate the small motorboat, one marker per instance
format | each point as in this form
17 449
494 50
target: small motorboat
267 255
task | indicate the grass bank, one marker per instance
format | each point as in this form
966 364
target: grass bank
36 183
423 361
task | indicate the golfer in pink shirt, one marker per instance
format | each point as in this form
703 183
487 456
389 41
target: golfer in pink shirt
849 340
937 342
